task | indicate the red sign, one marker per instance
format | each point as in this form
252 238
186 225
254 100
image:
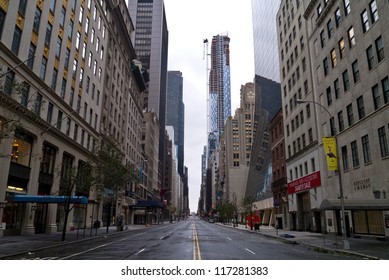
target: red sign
305 183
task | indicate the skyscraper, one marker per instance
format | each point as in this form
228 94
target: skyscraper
175 114
265 38
219 87
151 46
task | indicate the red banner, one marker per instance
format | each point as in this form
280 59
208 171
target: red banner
305 183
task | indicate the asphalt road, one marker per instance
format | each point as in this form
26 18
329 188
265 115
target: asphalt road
192 239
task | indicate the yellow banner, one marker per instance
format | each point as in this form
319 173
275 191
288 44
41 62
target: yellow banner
329 144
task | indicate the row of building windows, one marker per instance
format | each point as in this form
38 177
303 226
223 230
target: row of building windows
366 150
379 97
302 170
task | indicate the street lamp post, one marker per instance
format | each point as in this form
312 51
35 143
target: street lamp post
346 244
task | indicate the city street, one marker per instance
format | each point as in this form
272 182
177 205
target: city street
192 239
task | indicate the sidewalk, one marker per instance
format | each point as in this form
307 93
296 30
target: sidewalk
366 248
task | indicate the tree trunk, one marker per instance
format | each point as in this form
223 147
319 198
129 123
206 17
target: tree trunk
67 211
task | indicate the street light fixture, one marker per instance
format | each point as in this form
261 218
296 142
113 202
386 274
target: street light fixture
346 244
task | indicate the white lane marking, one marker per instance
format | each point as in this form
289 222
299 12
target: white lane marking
229 238
162 237
140 252
80 253
250 251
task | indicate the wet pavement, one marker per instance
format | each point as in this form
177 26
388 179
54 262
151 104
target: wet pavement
365 248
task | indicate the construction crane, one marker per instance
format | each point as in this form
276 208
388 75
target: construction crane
206 57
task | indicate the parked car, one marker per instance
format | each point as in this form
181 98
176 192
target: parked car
211 220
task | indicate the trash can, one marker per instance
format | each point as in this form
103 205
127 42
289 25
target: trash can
256 226
96 224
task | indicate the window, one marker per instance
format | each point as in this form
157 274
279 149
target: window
78 39
337 88
354 153
330 29
342 49
329 96
365 21
322 38
58 48
9 82
308 108
50 112
52 6
332 126
345 158
346 81
75 62
350 115
68 124
71 97
22 7
54 79
319 9
380 49
385 89
62 17
22 149
310 135
25 92
304 64
300 22
63 88
366 149
340 121
42 72
370 57
31 56
80 15
373 11
347 8
70 30
325 66
361 107
59 120
16 40
38 104
37 20
67 57
333 58
351 37
49 29
302 42
338 18
376 97
355 68
75 132
383 142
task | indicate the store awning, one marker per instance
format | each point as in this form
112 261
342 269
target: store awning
148 203
355 204
49 199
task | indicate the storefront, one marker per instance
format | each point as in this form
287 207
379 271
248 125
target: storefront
363 217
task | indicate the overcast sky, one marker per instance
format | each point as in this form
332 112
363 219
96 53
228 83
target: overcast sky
189 23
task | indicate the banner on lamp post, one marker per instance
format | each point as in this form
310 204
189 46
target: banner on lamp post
329 144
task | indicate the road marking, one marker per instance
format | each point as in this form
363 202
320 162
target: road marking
196 246
229 238
140 251
80 253
250 251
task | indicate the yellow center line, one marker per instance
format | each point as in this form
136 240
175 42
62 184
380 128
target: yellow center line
196 246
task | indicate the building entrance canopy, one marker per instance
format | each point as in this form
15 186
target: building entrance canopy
49 199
